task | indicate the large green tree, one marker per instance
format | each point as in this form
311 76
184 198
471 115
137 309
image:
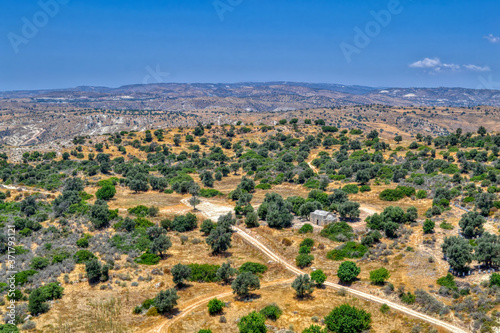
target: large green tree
458 251
303 285
471 224
254 322
244 283
348 319
166 300
348 271
487 250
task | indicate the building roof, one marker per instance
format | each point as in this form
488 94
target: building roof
321 213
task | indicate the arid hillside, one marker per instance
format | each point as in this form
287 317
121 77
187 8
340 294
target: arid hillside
209 228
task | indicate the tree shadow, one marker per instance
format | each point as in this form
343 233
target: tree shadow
222 255
347 284
165 256
248 298
183 286
172 314
305 297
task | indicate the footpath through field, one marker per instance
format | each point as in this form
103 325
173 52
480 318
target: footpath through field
213 212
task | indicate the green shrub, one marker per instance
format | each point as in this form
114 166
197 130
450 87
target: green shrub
26 232
148 259
446 226
215 306
428 226
379 276
264 186
407 298
348 319
253 267
84 241
272 312
142 222
407 190
8 328
447 281
210 193
421 194
384 308
318 276
52 291
339 231
306 228
204 273
107 192
252 323
17 295
139 211
304 260
495 279
81 256
350 189
22 277
39 263
365 188
307 242
348 250
348 271
304 250
391 195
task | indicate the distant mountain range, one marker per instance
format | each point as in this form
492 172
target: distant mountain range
252 96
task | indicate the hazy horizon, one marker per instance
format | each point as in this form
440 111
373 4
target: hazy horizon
57 44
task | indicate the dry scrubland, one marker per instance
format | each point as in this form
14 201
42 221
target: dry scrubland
414 259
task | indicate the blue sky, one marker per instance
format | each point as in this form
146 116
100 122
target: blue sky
427 43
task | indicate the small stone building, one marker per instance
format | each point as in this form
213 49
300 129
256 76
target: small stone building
322 218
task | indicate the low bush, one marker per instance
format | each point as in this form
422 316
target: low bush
82 256
365 188
347 250
272 312
22 277
407 298
350 189
139 211
337 232
379 276
307 242
263 186
306 228
215 306
204 273
210 193
348 319
391 195
148 259
253 267
304 260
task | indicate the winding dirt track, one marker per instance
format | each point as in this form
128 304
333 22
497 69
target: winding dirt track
261 247
165 327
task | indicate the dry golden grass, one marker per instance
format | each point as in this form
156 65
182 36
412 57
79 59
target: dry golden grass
297 314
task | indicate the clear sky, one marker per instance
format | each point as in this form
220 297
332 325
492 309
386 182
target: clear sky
116 42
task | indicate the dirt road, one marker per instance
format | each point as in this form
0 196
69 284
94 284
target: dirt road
23 189
254 242
165 327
